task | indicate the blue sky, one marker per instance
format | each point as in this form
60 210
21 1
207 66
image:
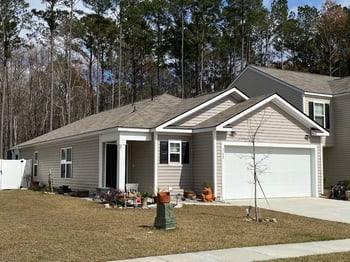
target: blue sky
293 4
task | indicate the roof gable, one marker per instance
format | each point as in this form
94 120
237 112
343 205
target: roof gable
251 105
306 82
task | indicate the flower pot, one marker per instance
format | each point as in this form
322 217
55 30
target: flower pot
35 184
163 197
188 194
207 195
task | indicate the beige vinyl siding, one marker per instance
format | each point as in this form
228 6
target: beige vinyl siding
202 160
84 163
337 158
220 138
277 128
327 141
176 176
208 112
141 164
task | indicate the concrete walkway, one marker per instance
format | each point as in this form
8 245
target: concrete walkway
321 208
247 254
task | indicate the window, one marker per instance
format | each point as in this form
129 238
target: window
66 162
320 113
35 164
174 152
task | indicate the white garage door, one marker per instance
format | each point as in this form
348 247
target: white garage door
282 172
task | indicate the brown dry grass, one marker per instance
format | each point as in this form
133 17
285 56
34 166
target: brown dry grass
41 227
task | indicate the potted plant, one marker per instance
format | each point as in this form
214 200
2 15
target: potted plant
144 198
207 193
347 188
163 197
188 193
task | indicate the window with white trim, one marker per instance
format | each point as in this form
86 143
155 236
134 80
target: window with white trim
66 162
319 112
35 163
174 152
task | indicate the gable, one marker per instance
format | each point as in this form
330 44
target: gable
256 83
275 126
208 112
314 128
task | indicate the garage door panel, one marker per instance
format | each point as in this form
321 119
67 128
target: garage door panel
283 172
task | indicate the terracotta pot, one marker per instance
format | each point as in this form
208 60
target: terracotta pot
35 184
163 197
209 197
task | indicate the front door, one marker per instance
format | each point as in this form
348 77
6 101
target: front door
111 165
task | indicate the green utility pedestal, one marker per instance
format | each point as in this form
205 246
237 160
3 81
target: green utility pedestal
165 216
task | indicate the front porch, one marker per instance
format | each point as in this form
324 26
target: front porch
127 157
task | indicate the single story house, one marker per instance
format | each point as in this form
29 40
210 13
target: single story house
323 98
175 144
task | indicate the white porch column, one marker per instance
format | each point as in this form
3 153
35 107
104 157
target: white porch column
121 165
155 163
100 162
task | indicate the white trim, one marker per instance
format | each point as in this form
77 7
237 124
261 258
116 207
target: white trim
101 162
174 130
215 163
231 143
321 167
179 153
121 169
88 134
201 130
277 100
155 163
314 166
127 129
199 107
323 109
65 162
318 94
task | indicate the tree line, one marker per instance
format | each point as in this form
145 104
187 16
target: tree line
61 64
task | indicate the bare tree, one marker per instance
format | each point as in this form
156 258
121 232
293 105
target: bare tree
254 126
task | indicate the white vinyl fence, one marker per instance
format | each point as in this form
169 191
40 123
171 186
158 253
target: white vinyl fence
15 174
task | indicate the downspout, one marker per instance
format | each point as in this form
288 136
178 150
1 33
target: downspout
155 162
215 164
321 167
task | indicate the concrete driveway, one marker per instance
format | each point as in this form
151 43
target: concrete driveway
327 209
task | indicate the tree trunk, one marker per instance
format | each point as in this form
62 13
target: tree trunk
182 52
52 84
3 108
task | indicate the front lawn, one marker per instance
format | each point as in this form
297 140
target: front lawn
40 227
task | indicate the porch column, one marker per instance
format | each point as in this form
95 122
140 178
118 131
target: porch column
121 166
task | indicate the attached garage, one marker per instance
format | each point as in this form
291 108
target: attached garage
282 171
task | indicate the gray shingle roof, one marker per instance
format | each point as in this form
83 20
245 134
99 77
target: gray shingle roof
307 82
340 86
147 114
